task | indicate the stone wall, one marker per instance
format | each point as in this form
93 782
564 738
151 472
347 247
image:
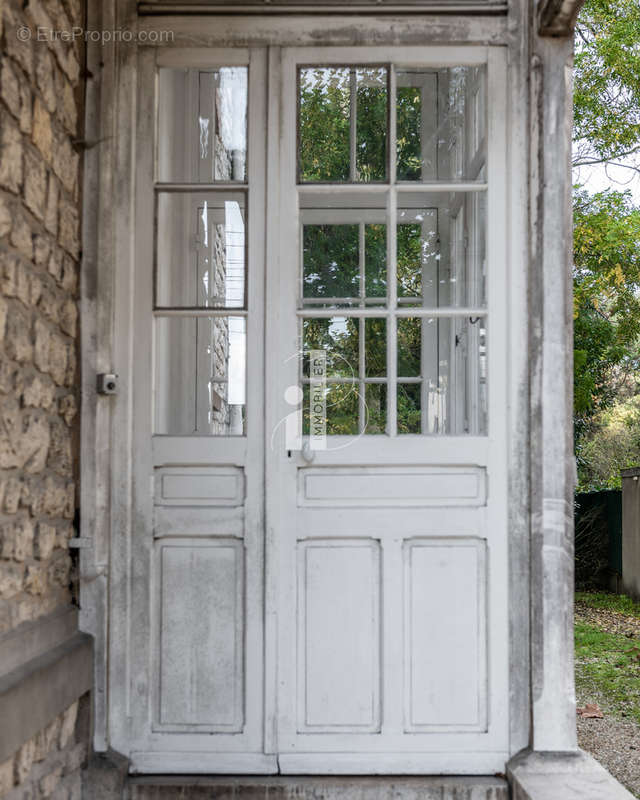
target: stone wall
49 764
39 251
41 96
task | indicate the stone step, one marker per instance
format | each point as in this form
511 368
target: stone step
317 788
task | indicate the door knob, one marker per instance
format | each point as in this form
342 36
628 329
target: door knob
307 453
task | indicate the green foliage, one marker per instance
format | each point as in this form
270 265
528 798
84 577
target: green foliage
324 124
609 444
606 80
606 244
606 296
409 147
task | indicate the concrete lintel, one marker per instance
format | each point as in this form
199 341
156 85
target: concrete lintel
562 776
558 17
31 639
36 692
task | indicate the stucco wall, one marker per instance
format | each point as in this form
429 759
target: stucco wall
631 531
40 108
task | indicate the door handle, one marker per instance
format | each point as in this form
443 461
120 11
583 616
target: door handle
307 453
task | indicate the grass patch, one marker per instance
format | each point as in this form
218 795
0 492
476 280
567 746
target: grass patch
608 664
614 602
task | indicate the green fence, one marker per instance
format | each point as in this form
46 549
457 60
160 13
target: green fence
598 537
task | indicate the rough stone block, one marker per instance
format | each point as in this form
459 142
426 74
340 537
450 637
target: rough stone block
50 782
36 439
10 155
41 250
12 494
47 740
38 391
6 776
42 133
65 163
68 224
60 457
69 317
69 278
68 724
54 497
23 284
21 236
4 309
58 571
45 77
49 304
8 272
42 345
58 358
67 108
5 217
45 541
51 208
67 408
18 339
10 88
20 49
22 539
10 432
11 575
35 184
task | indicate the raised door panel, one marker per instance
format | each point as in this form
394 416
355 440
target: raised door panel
201 635
338 636
445 649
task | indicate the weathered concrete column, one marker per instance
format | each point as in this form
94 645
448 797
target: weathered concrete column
552 463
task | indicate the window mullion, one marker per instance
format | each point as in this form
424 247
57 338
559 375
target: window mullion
353 121
362 406
392 282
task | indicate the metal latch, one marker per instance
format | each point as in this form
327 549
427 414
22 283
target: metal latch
107 383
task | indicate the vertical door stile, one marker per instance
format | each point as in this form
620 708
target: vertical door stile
274 438
254 466
142 610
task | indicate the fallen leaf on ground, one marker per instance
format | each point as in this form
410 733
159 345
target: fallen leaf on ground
590 711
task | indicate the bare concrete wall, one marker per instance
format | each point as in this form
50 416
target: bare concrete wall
631 531
41 95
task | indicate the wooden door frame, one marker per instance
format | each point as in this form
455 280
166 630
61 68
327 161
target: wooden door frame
107 242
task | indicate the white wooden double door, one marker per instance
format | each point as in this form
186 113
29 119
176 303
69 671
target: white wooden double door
306 589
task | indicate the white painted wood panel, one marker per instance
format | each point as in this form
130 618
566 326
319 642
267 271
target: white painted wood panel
379 486
338 636
185 521
445 674
199 486
201 634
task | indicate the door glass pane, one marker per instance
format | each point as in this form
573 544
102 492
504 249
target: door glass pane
200 376
442 375
342 124
440 124
339 338
440 251
356 366
331 261
344 263
201 250
202 124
